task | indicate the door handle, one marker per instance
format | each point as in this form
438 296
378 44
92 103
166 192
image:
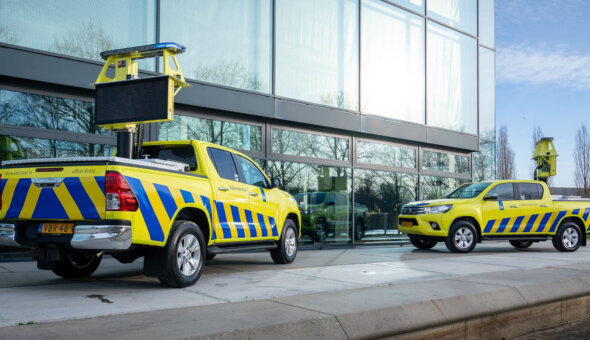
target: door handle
514 206
222 189
544 206
253 194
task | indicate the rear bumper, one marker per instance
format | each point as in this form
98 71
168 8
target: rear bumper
98 235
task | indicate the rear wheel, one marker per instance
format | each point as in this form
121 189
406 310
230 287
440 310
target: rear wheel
287 250
521 244
567 237
185 255
359 229
462 237
422 242
77 265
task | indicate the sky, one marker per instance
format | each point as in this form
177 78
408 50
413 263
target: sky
543 77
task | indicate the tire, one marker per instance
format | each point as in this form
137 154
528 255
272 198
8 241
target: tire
321 230
287 249
210 256
359 229
422 242
76 265
568 237
185 255
462 237
521 244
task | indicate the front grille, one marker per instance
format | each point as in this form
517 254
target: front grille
412 210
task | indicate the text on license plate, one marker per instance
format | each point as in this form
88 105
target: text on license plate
407 224
57 228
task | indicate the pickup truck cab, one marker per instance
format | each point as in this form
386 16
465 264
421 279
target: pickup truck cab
184 202
521 212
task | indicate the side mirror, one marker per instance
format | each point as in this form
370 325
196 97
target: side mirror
276 182
490 198
330 203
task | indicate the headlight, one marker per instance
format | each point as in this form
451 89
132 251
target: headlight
437 209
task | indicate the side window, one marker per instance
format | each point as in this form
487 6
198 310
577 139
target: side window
530 191
504 191
224 164
341 200
252 175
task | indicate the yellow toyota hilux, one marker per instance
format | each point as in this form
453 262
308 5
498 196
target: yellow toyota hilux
181 203
521 212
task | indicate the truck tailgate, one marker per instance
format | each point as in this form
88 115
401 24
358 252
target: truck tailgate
59 191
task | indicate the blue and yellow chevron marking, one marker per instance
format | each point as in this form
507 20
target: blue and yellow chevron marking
546 224
207 205
530 223
235 212
503 225
575 211
586 212
251 224
264 231
489 226
501 204
516 224
239 223
263 194
2 184
544 221
556 221
76 199
147 211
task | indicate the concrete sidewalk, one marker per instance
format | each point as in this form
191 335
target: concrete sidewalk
352 293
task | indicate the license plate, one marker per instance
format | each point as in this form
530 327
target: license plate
57 228
407 224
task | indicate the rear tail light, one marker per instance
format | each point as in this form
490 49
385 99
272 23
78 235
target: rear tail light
119 196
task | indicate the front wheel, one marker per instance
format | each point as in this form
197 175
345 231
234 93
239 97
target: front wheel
185 255
422 242
287 249
359 230
567 237
461 238
521 244
77 265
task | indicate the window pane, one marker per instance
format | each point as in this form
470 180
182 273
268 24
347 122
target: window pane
224 163
486 22
530 191
12 148
228 41
26 109
432 187
317 51
378 199
312 185
415 5
393 62
504 191
385 154
252 174
440 161
81 28
484 162
232 135
452 79
461 14
295 143
487 94
176 153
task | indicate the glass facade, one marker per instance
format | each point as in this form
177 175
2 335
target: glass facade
233 135
460 14
451 79
228 43
317 51
413 61
392 49
79 28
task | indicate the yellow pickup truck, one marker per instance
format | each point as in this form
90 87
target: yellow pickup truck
182 203
521 212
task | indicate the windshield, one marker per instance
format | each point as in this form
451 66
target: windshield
310 198
468 190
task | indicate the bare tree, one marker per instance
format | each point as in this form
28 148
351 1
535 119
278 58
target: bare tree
582 160
504 156
84 40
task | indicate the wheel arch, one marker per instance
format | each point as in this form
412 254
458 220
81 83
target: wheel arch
473 221
580 224
197 216
295 218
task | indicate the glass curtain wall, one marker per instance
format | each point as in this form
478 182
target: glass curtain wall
228 41
79 28
460 14
317 51
393 66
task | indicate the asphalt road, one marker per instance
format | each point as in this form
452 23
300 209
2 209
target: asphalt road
29 295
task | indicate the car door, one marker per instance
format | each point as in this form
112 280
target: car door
264 201
500 214
535 208
232 197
